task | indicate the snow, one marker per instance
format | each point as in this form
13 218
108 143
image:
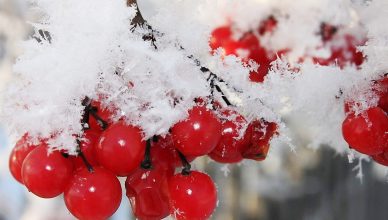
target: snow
94 53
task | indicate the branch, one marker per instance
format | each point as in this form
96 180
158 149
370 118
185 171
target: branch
139 20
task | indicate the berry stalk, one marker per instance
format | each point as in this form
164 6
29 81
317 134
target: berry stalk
186 165
146 163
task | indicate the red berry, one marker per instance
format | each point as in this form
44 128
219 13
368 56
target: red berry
104 113
46 174
250 42
147 192
247 48
88 145
262 133
258 54
93 195
343 52
120 148
268 25
232 47
18 154
381 88
163 151
219 36
235 138
381 158
368 132
199 134
192 196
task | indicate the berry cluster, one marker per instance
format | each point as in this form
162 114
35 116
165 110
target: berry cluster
109 150
248 47
367 131
343 47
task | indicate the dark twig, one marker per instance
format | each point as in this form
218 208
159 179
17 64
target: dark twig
82 155
84 121
92 110
147 162
186 165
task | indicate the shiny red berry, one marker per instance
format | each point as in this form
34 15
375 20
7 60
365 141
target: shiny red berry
235 138
368 132
46 174
192 196
198 134
88 148
17 156
93 195
381 158
104 113
120 148
163 151
262 133
381 88
147 192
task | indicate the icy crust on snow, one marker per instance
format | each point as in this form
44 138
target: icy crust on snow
94 53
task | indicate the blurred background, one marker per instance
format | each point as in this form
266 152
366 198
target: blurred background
308 184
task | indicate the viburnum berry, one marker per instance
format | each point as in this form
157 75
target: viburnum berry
235 138
46 173
219 37
343 52
17 156
247 48
104 113
88 148
268 25
381 88
258 54
147 192
262 133
367 132
198 134
381 158
192 196
120 148
164 152
93 195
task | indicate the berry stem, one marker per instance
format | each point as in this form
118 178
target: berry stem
91 110
186 165
146 163
81 154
